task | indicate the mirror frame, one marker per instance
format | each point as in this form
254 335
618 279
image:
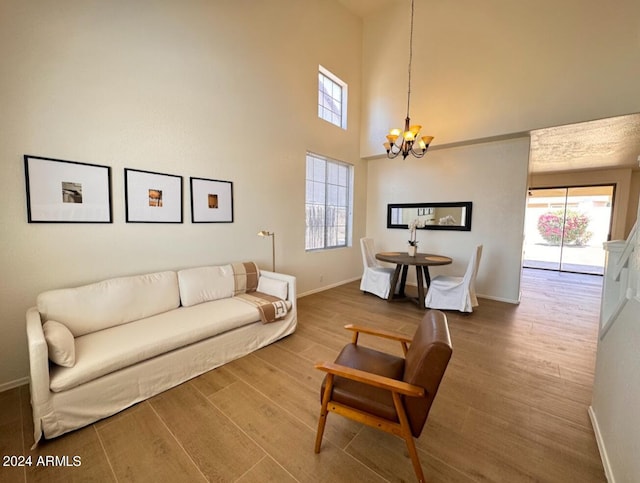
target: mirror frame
456 204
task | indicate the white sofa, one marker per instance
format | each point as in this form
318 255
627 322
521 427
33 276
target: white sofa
123 340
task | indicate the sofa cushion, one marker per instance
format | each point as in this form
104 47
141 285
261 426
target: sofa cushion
60 343
108 350
111 302
271 286
204 284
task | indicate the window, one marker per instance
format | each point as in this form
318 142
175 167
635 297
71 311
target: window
332 98
328 203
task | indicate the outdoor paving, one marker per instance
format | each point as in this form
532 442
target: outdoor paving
585 259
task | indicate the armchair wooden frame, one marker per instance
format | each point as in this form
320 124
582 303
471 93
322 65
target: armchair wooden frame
397 389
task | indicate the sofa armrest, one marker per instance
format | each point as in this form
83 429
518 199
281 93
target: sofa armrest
38 358
291 281
38 371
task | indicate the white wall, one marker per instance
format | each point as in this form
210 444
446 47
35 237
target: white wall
616 386
483 69
616 397
224 90
634 201
491 175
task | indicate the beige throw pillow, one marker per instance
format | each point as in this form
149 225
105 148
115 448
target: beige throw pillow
62 348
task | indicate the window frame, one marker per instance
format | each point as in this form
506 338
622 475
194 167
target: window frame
344 90
348 205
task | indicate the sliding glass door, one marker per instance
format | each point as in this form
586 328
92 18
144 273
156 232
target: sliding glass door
566 226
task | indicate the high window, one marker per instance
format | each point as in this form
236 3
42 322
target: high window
332 98
328 203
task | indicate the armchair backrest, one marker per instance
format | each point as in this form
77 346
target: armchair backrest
425 364
367 246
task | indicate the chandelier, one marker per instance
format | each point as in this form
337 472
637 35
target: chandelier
409 141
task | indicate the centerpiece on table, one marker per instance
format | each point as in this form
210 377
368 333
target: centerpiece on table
413 242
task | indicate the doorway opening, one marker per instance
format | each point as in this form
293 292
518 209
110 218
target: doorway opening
566 226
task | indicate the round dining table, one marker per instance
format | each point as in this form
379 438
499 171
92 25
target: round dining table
422 262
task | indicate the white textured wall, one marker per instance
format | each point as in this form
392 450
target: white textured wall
616 386
491 175
483 69
213 89
616 396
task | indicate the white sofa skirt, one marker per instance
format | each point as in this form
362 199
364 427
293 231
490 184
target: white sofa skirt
58 413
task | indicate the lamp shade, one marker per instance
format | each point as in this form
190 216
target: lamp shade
427 139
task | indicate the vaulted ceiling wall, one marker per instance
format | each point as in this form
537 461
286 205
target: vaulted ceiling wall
485 69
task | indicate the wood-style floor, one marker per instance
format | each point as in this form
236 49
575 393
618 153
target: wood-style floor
512 406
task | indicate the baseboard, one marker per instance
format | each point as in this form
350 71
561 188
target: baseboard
601 447
498 299
327 287
11 384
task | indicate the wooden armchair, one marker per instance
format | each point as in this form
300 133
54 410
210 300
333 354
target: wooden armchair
384 391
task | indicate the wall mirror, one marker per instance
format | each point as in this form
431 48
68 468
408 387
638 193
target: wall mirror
435 216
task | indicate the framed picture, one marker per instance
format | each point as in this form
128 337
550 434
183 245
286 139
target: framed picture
211 201
61 191
152 197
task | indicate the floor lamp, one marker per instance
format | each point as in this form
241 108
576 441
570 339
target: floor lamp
265 233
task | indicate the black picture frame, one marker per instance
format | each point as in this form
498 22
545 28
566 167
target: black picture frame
62 191
211 200
152 197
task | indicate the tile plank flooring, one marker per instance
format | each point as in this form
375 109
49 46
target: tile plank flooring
512 406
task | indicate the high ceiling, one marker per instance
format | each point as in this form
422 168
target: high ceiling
601 144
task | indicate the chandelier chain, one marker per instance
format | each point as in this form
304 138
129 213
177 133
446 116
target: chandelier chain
408 141
410 58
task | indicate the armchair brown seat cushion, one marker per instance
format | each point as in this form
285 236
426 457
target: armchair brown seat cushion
362 396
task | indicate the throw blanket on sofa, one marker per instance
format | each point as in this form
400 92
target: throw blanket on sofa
245 276
271 308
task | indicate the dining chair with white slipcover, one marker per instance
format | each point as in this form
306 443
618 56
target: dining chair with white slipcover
455 293
376 279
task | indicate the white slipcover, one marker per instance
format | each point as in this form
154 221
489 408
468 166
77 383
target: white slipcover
111 349
150 372
376 279
111 302
58 413
455 293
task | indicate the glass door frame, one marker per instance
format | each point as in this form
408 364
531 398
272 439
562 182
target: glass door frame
567 188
